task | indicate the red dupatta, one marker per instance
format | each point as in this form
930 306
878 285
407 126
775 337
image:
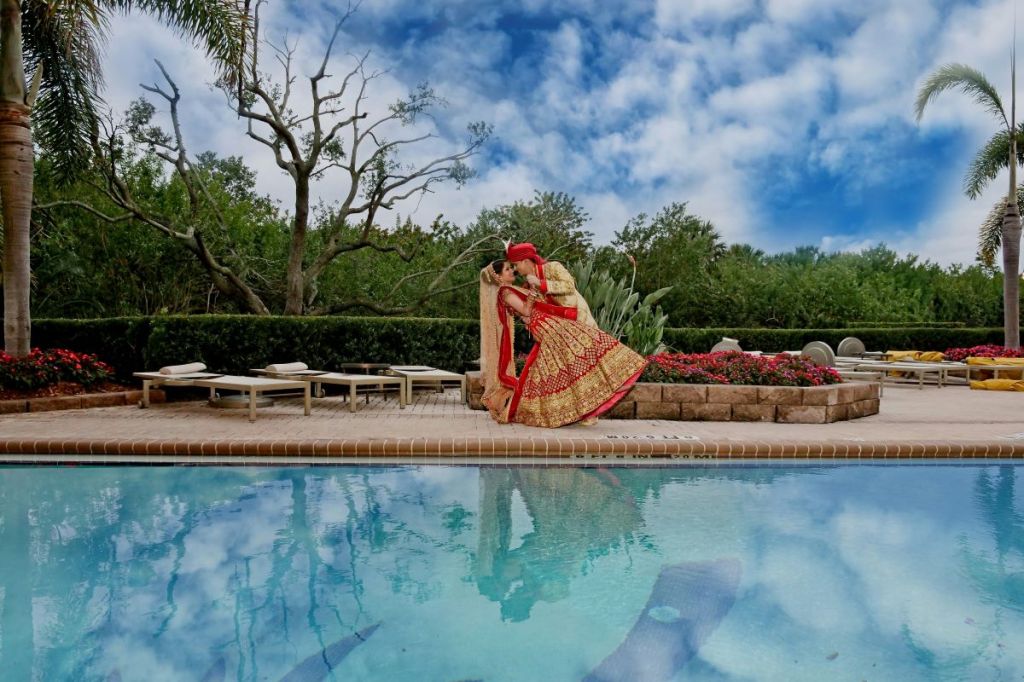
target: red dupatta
505 345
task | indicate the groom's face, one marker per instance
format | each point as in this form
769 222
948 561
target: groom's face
525 267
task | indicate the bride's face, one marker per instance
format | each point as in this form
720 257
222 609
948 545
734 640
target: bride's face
508 274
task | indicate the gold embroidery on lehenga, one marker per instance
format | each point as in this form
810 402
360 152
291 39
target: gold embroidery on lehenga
577 369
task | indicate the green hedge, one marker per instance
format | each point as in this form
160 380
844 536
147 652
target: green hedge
904 325
236 343
693 340
118 341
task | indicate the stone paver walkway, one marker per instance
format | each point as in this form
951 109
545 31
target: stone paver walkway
951 422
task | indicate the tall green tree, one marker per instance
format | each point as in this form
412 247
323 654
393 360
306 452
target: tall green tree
60 42
972 82
674 249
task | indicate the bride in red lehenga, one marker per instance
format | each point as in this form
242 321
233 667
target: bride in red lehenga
574 372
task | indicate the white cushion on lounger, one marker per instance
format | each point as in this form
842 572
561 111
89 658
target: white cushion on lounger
183 369
287 367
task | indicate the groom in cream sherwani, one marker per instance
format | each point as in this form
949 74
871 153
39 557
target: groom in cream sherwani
550 278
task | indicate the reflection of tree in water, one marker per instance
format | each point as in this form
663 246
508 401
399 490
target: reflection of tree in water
281 573
993 575
577 516
998 576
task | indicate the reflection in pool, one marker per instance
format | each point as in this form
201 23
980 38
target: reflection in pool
465 573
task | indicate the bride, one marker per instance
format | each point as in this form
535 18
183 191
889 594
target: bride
573 373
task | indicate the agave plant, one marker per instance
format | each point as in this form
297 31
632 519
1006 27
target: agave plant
618 310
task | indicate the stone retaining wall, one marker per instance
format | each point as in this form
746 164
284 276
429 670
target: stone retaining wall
694 402
73 402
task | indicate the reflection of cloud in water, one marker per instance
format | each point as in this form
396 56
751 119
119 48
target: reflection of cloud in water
840 564
904 573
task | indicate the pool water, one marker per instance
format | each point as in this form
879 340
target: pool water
466 573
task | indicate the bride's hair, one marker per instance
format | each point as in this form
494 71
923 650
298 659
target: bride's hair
491 333
493 272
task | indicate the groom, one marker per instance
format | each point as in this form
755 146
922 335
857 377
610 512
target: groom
550 278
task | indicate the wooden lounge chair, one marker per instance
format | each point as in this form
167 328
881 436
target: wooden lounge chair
370 383
172 375
254 387
419 374
356 381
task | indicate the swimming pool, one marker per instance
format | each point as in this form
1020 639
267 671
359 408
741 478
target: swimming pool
475 573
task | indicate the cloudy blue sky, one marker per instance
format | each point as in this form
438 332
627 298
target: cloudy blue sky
785 122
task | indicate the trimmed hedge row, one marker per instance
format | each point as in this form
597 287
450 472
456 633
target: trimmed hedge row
692 340
236 343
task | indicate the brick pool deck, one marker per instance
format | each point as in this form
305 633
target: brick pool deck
953 422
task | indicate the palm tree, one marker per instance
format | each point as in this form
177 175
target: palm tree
984 168
60 42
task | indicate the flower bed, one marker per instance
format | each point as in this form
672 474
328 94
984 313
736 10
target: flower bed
733 386
40 369
986 351
735 368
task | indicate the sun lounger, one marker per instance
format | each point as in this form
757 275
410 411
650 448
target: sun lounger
288 370
171 378
427 375
288 374
254 386
921 369
355 381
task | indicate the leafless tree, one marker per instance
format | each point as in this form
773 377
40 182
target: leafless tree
339 132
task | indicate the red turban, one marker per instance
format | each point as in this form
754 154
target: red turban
524 251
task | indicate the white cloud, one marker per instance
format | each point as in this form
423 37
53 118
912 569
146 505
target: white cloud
689 103
672 14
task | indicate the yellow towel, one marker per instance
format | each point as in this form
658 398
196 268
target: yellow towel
1013 362
898 355
920 356
998 385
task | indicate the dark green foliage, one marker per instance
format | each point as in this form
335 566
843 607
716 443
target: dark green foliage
85 267
42 368
118 341
237 343
695 340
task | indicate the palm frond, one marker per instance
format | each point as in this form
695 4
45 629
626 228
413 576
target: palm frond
990 160
968 80
990 234
221 27
64 40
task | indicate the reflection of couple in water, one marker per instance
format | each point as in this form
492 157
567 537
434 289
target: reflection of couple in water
575 371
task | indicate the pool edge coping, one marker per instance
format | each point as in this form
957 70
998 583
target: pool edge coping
572 450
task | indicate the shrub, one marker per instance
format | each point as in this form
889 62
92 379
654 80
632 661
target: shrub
236 343
986 351
700 340
730 367
41 368
618 310
118 341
